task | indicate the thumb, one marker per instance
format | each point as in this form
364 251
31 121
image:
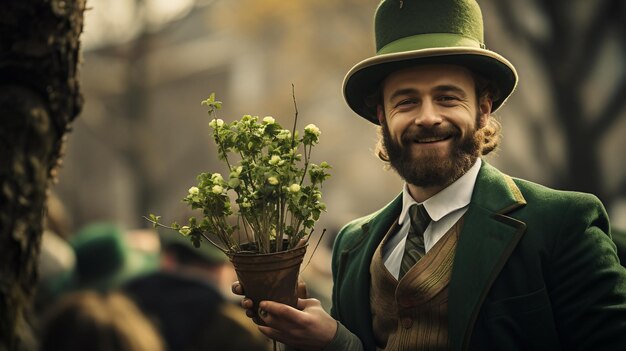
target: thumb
306 303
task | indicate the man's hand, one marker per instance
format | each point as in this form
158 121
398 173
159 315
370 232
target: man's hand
248 305
307 328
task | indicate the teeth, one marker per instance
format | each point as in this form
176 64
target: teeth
431 139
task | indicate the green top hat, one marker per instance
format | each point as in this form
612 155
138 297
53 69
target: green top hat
412 32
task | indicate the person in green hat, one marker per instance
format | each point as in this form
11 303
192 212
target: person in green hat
465 257
185 300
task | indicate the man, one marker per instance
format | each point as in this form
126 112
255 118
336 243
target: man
466 257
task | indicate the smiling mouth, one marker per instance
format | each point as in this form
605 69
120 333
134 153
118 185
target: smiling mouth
433 139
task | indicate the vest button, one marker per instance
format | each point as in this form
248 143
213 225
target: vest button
407 323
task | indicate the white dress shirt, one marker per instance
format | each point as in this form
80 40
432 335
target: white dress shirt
444 208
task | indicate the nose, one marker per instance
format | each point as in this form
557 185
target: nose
428 116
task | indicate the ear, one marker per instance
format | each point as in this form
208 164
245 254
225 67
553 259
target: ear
484 111
380 113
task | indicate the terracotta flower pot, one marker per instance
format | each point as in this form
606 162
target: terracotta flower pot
272 276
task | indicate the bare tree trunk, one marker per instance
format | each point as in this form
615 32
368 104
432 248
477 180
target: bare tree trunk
569 50
39 97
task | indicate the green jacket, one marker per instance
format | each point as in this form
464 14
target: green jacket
535 269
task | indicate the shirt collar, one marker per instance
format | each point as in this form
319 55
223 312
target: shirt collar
457 195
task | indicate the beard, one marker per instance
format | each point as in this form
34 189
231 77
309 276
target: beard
429 168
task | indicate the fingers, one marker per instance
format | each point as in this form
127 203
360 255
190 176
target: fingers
247 303
277 315
277 308
237 288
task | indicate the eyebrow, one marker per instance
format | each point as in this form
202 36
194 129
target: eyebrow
439 89
405 91
451 88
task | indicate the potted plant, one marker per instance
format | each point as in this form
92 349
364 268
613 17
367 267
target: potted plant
262 212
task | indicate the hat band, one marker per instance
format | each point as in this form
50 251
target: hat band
429 41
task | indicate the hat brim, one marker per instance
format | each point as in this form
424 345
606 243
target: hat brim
365 77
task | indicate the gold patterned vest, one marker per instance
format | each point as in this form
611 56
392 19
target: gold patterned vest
412 314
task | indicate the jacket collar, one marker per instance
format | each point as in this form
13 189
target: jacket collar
495 192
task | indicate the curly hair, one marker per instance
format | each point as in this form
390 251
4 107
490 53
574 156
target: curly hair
490 134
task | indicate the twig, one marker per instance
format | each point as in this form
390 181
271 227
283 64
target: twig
201 233
307 158
315 249
295 118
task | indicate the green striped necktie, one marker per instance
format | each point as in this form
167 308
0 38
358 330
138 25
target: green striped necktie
414 248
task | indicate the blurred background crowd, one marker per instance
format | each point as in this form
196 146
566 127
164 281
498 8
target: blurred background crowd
143 137
107 288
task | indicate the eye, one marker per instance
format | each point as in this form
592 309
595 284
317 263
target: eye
448 100
406 102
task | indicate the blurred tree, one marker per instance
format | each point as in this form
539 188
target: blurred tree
580 49
39 98
331 34
130 132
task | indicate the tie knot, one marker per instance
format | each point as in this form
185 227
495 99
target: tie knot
419 217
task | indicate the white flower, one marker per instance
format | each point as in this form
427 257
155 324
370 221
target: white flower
238 170
185 230
274 160
269 120
284 134
246 204
313 129
294 188
194 194
217 189
217 178
272 180
216 122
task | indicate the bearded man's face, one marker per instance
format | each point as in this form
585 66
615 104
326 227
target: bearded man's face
430 123
428 168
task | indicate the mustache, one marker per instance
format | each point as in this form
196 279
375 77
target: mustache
415 132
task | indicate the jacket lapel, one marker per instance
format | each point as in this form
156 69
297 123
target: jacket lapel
486 241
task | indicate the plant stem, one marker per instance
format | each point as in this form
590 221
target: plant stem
315 249
295 118
307 156
201 232
220 146
281 222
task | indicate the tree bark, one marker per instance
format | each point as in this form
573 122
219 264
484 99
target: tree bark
39 97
